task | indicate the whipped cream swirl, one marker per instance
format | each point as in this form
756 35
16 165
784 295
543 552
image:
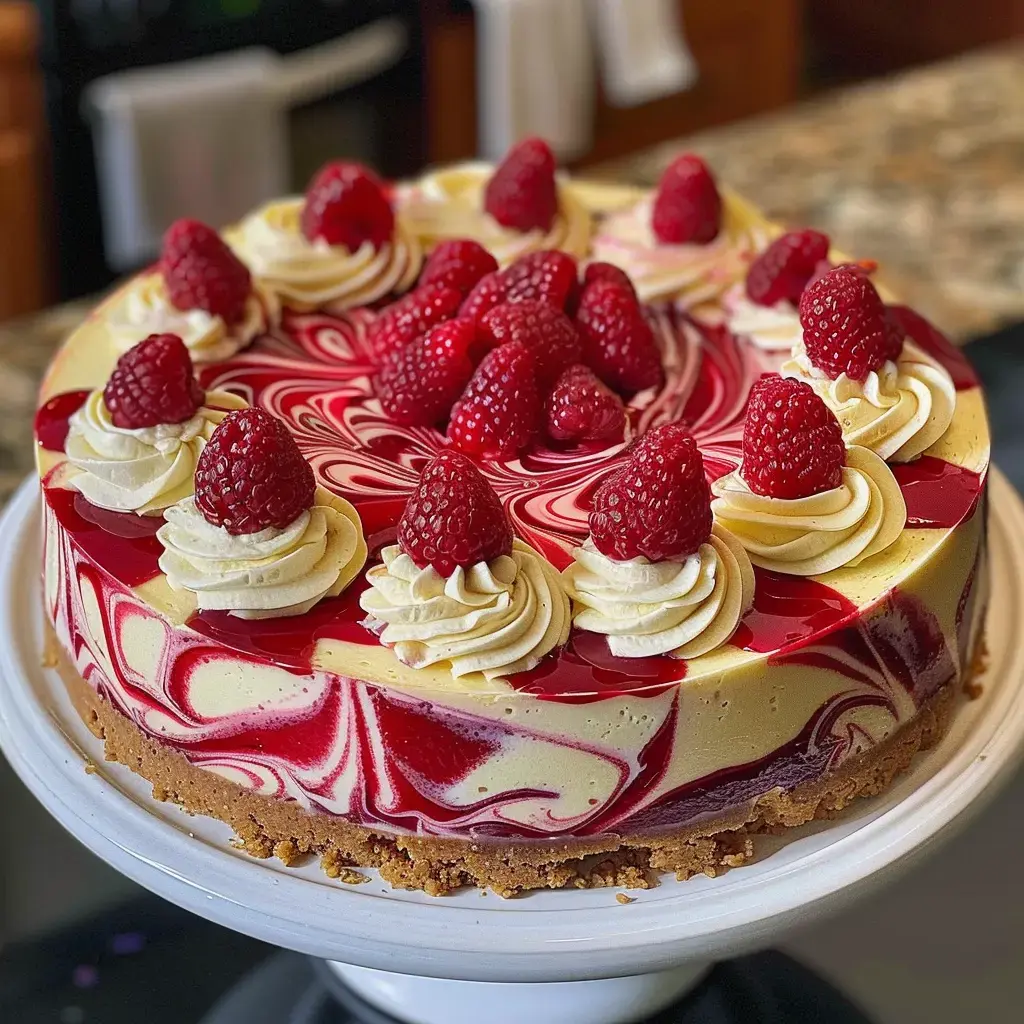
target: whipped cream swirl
898 411
497 617
145 308
684 608
449 204
313 275
264 575
807 536
142 470
691 274
771 328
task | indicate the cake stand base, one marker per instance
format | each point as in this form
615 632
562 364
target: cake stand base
547 957
415 1000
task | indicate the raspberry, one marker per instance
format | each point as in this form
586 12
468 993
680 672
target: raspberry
498 413
410 317
581 408
845 325
487 293
547 332
346 205
607 272
458 264
687 207
152 383
419 383
546 275
658 505
783 270
618 343
453 518
522 193
201 272
792 442
251 474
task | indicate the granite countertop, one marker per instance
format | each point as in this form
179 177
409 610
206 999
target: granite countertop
923 171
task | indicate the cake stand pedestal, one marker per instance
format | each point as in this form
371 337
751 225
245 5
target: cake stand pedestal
553 957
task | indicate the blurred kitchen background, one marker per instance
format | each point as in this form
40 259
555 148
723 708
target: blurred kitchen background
898 127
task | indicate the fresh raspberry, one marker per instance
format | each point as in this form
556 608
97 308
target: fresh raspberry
251 474
419 383
658 505
792 442
522 193
458 264
346 205
845 325
499 412
201 272
547 275
547 332
581 408
618 343
410 317
607 272
487 293
453 518
152 383
783 270
687 207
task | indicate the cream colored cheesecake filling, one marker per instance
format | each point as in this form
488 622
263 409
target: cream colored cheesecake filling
771 328
495 618
898 411
690 274
449 204
145 308
845 525
142 470
685 608
308 275
269 574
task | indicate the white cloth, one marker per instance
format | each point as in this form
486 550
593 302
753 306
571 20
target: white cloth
536 66
204 138
644 54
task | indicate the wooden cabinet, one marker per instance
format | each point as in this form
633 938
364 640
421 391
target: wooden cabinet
23 274
749 53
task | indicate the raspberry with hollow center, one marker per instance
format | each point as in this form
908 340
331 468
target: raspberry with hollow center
522 193
845 324
687 206
785 268
201 272
152 384
499 412
251 474
658 505
453 518
346 205
792 442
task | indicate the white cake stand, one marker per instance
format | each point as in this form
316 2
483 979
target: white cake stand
564 956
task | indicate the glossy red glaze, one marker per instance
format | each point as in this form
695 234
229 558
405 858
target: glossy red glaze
939 495
53 418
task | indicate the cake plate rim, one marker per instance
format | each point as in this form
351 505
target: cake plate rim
542 937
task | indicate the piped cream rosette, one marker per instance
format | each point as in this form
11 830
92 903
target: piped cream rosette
690 274
685 608
268 574
496 618
808 536
898 411
449 204
316 275
770 328
145 469
143 308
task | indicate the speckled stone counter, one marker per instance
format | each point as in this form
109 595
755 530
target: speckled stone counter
923 171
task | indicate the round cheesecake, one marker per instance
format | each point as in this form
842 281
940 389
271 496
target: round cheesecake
308 734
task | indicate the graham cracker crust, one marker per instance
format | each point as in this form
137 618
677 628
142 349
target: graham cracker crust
270 827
